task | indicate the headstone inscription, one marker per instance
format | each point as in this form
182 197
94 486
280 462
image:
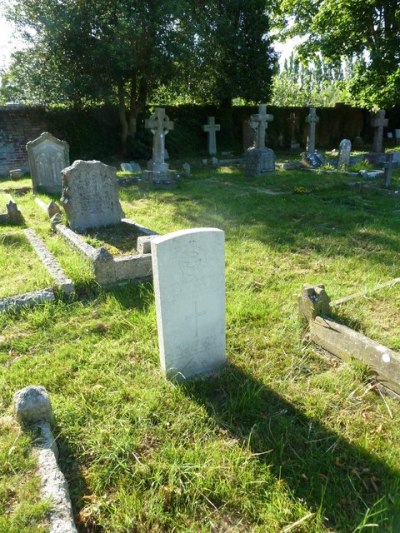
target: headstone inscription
90 195
344 153
160 125
312 120
189 284
47 156
211 128
259 158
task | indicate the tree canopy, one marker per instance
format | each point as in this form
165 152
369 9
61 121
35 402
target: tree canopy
367 30
126 51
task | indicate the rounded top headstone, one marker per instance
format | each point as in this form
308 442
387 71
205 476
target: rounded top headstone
32 404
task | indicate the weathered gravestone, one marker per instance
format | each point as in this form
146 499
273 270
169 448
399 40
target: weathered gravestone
378 122
160 125
312 120
211 128
47 156
189 283
344 153
90 195
259 158
294 145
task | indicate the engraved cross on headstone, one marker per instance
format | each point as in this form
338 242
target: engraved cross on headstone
160 125
379 122
259 122
312 120
211 128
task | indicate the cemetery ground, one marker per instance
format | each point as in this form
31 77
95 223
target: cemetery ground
284 439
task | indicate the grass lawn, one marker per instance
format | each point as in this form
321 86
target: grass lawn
282 435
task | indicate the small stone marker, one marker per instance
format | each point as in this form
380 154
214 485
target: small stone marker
160 125
131 167
90 195
47 157
259 159
14 214
344 153
211 128
312 120
189 283
378 122
16 174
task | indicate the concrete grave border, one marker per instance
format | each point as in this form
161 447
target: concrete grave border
27 299
33 410
344 342
108 269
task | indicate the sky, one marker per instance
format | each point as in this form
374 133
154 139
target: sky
8 41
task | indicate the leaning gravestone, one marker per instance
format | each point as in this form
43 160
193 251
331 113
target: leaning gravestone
189 283
47 157
344 153
90 195
259 158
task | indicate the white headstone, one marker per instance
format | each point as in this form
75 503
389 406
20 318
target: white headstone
189 283
211 128
344 153
90 195
47 157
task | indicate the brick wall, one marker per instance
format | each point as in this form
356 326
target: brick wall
18 125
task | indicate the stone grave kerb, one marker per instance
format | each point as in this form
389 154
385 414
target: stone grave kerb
312 119
259 122
378 122
32 148
211 128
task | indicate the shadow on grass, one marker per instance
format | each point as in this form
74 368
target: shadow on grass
319 466
134 294
76 484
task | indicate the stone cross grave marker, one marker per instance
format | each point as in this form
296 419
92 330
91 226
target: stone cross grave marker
47 156
312 120
259 122
189 284
160 125
344 153
90 195
379 122
211 128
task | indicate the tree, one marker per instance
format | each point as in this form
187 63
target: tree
96 50
364 30
232 52
316 83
